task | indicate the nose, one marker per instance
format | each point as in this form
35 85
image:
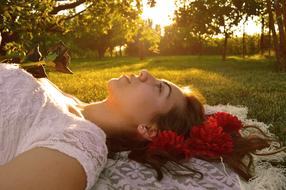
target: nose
145 76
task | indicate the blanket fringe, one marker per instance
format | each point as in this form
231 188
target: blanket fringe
267 176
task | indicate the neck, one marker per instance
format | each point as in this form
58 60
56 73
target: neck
105 117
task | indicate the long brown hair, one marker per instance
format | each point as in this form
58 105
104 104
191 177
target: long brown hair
178 120
181 120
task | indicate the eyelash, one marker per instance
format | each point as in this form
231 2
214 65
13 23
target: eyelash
160 86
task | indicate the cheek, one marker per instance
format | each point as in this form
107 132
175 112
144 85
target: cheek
144 99
135 98
142 106
137 102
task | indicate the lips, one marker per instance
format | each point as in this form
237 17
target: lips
127 78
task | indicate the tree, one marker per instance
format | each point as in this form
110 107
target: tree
210 17
26 23
248 9
23 24
274 9
179 40
195 26
146 40
106 25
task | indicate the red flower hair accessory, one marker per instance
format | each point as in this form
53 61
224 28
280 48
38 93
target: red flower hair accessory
228 122
169 141
212 139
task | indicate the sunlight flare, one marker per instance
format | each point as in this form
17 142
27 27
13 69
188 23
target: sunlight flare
186 90
162 14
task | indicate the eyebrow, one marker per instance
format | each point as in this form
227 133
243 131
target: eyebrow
170 88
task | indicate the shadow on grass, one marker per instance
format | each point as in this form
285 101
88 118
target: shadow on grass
210 63
176 63
233 68
105 63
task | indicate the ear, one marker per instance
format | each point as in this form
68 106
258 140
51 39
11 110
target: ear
147 131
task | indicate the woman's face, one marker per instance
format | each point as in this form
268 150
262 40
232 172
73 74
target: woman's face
140 98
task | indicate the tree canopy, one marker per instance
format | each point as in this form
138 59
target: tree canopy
100 25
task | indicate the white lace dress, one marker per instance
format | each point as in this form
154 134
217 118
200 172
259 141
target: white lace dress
32 116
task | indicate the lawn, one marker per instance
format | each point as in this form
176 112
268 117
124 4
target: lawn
250 82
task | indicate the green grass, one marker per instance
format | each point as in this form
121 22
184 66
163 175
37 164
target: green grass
251 82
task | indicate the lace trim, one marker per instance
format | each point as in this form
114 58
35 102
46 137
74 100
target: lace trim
88 148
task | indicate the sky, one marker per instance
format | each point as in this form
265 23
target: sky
163 13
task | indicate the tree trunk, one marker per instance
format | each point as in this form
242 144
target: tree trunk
141 50
224 46
274 35
111 51
280 26
120 51
284 13
282 41
101 52
262 46
269 40
200 46
243 41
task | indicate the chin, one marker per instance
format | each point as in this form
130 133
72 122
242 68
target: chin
112 85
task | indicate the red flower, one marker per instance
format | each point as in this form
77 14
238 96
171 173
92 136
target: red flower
172 143
228 122
209 140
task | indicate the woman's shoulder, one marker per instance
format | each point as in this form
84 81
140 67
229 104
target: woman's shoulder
60 171
10 73
78 139
19 89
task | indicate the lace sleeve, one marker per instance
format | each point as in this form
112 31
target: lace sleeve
84 144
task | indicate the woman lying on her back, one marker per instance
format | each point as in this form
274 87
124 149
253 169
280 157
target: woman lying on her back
51 140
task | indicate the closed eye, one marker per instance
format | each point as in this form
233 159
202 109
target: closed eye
160 85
